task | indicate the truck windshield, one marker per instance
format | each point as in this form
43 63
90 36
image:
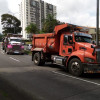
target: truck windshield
16 40
82 39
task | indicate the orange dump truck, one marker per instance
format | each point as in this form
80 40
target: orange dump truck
68 45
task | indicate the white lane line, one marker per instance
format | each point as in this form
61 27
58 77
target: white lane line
2 53
77 78
14 59
1 48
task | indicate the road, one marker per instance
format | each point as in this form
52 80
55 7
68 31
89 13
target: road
49 82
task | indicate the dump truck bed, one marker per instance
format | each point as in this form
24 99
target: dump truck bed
46 42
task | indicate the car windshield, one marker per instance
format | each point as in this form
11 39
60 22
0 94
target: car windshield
16 40
82 39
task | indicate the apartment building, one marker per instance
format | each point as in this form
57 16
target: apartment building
34 11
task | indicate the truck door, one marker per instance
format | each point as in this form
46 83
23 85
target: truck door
67 45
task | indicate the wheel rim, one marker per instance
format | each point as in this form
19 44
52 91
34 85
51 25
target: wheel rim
36 59
75 67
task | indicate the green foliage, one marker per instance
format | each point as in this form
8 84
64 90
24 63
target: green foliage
41 32
49 24
10 24
31 29
1 37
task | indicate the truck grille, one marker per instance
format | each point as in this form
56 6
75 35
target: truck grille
16 47
98 56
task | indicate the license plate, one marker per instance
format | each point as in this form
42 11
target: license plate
16 51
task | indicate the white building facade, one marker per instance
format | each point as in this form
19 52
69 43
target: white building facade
34 11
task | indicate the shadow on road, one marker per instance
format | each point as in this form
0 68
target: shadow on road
10 92
92 76
65 71
61 68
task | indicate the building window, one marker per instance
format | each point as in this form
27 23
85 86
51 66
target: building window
33 3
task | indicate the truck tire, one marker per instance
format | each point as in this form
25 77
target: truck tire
75 67
37 59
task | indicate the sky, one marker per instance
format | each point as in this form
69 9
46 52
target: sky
79 12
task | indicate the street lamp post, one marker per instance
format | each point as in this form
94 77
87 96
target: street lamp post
97 27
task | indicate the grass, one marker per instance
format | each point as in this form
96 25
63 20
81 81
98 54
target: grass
28 52
28 43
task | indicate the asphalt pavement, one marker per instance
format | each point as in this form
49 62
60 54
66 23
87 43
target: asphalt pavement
24 81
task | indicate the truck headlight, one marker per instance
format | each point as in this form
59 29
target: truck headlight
89 60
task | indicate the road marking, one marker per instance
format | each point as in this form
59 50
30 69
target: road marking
14 59
77 78
2 52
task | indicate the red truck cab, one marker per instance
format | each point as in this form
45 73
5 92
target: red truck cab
67 46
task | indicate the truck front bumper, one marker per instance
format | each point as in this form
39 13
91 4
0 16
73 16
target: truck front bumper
91 68
16 51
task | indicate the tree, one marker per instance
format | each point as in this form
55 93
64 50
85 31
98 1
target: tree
49 24
31 29
10 24
1 37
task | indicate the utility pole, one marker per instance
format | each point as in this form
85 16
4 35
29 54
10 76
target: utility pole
97 27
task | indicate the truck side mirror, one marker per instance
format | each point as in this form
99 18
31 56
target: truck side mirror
23 43
93 42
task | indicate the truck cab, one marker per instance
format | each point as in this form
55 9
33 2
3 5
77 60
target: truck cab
78 46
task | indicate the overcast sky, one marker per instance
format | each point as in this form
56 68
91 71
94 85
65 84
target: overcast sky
79 12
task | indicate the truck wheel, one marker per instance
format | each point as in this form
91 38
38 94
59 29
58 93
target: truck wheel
75 67
37 59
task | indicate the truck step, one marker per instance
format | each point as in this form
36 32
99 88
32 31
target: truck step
58 59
